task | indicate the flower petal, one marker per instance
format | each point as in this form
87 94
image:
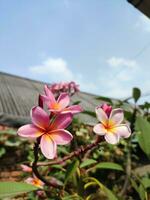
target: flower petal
112 138
46 100
61 136
39 117
99 129
29 130
63 100
73 109
123 130
49 94
25 168
61 121
48 146
116 116
101 115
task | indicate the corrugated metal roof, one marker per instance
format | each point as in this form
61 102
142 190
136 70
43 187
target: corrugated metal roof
18 95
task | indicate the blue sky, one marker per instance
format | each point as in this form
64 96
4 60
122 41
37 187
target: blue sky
102 45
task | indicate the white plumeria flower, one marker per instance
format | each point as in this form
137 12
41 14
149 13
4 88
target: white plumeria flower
110 124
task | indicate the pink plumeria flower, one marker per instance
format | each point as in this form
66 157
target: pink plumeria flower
35 181
26 168
61 105
52 132
110 125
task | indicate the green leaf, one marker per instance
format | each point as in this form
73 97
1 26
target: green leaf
108 165
87 162
9 189
134 185
72 197
76 102
2 151
136 93
142 193
71 169
146 182
141 189
88 112
108 192
143 136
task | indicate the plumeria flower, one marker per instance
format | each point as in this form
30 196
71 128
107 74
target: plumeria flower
52 132
68 87
35 181
110 124
61 105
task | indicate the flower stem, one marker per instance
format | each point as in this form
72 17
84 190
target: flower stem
35 170
81 150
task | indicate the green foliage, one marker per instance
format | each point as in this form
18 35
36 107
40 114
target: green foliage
105 99
72 197
74 176
93 181
136 93
8 131
10 189
143 126
88 112
141 185
76 102
2 151
87 163
108 165
71 169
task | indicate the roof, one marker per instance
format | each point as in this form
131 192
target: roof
142 5
18 95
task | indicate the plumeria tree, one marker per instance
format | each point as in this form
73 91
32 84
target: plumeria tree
87 150
50 130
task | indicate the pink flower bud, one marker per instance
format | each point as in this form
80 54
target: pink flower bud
107 109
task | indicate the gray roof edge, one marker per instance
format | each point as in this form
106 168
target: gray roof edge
13 121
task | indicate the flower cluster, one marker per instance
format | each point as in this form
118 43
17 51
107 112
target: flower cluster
51 128
68 87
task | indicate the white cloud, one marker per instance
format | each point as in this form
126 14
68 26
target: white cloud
143 23
56 68
121 62
120 77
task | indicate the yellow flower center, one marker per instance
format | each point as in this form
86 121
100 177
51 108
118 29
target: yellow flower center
56 106
110 126
37 182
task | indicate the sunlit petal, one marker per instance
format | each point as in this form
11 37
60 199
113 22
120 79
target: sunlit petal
99 129
49 94
116 116
63 100
123 130
101 115
61 121
61 136
39 117
73 109
112 138
29 131
48 146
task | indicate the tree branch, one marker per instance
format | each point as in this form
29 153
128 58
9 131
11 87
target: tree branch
81 150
